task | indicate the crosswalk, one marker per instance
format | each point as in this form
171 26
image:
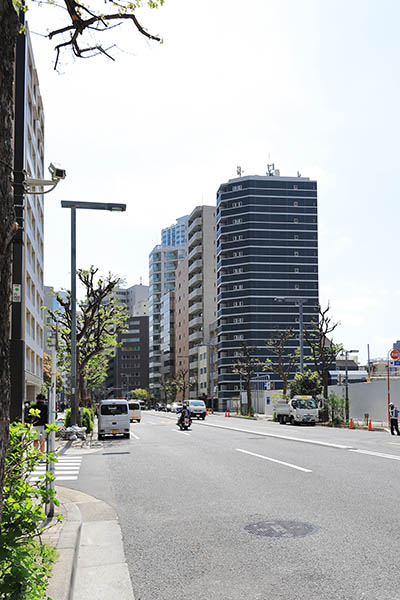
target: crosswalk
66 469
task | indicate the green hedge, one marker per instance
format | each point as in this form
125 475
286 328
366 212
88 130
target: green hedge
87 419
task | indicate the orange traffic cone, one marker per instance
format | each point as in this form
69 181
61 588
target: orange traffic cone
226 414
229 413
369 425
351 424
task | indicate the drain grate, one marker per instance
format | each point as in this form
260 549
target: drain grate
281 529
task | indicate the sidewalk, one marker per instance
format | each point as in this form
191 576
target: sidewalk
91 560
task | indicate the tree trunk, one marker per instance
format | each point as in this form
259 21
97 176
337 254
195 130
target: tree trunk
248 389
8 35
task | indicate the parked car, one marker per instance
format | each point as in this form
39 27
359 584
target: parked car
168 407
197 409
161 406
176 407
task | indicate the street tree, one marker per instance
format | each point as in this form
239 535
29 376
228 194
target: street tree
323 351
140 394
283 362
100 317
47 375
82 22
247 366
306 384
182 378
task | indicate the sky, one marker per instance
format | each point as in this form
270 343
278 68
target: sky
309 85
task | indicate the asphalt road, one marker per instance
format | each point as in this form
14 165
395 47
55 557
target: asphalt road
329 498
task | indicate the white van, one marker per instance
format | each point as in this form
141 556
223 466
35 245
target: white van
113 418
135 413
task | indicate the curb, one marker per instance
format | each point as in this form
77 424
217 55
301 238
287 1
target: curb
91 559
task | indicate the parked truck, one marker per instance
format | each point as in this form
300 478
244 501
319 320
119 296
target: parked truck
300 409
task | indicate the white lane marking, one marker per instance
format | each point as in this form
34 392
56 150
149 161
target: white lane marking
274 460
66 468
378 454
281 437
183 432
394 443
135 436
152 423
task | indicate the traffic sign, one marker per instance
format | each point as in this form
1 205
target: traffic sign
395 354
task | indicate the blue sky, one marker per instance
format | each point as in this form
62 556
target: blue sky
311 85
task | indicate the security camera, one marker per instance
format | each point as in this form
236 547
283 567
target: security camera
56 172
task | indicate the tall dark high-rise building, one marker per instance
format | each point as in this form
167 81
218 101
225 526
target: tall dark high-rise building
267 236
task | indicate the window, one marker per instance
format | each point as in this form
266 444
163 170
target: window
295 186
236 254
296 237
113 409
239 336
238 270
296 253
297 287
239 320
295 203
238 286
238 303
237 238
295 220
237 221
296 270
235 188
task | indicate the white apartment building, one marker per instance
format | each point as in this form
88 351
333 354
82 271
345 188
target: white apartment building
33 297
202 284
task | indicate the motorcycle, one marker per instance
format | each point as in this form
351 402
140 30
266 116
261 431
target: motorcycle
184 423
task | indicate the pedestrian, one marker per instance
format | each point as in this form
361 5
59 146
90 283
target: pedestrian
27 416
40 422
394 422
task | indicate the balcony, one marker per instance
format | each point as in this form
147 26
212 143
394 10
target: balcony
196 307
195 239
196 336
196 252
196 322
194 226
193 365
196 265
197 293
196 280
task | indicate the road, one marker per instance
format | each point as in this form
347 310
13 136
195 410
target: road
197 509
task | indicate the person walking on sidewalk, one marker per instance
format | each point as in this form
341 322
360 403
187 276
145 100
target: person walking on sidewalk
40 422
394 422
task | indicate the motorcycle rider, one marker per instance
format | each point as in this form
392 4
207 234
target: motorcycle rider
185 412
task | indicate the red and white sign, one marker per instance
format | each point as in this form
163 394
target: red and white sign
395 354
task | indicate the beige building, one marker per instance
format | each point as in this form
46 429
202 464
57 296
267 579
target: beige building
202 288
182 325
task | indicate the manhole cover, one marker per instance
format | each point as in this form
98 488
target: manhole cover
282 529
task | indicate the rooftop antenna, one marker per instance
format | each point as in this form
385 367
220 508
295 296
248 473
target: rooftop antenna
298 174
239 171
270 169
141 280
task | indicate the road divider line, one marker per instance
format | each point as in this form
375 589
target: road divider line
378 454
183 432
281 437
135 436
274 460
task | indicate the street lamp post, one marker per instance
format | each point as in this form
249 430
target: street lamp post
346 353
73 206
300 302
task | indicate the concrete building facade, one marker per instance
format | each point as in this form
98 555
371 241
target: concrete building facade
267 250
27 330
202 289
182 326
